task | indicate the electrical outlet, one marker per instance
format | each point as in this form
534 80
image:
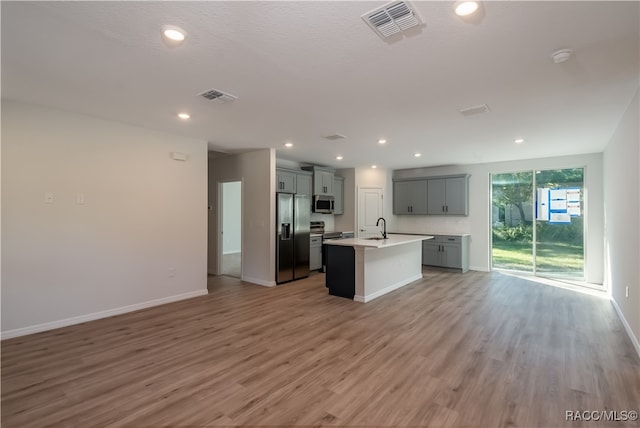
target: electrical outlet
48 197
80 198
626 291
172 272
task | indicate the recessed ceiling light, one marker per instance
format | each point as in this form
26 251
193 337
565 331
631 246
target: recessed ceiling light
465 8
172 35
374 166
519 140
382 141
288 144
417 155
184 116
561 55
339 157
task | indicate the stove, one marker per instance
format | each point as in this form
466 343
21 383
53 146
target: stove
317 228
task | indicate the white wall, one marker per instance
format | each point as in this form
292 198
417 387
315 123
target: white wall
256 170
231 217
144 213
478 221
622 229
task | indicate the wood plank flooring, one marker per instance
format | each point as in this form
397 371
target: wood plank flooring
451 350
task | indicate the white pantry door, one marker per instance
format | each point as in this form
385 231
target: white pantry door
369 211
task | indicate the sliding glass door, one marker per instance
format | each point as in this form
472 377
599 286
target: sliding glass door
512 221
559 245
538 222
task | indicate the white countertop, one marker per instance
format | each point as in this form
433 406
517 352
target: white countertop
392 240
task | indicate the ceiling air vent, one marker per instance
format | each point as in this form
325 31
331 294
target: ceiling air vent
334 137
470 111
392 18
218 96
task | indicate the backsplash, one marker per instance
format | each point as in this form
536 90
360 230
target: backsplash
432 224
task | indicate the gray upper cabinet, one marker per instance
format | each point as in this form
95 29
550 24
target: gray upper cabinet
303 183
323 183
448 195
322 180
293 181
410 197
338 194
285 181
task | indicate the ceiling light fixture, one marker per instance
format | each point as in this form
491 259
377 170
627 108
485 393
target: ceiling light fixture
288 144
172 35
519 140
465 7
382 141
417 155
374 166
184 116
561 55
338 157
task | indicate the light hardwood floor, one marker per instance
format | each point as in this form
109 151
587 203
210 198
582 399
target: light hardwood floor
451 350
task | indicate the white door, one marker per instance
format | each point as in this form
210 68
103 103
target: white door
369 211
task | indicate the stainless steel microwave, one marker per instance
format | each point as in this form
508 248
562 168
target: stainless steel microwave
323 204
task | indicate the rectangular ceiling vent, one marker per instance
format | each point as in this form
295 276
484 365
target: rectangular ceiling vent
334 137
470 111
392 18
218 96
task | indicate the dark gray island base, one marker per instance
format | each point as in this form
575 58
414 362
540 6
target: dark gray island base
363 269
341 271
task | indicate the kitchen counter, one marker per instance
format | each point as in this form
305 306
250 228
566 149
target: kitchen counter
364 269
392 239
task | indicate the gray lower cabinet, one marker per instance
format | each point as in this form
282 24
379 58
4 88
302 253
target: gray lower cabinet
338 194
449 251
315 253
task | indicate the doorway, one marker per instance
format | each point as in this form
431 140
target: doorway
537 222
230 241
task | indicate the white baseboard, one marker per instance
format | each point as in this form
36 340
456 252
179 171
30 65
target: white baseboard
480 268
634 339
231 252
258 281
389 289
97 315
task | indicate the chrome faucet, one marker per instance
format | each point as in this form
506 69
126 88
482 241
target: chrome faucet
384 227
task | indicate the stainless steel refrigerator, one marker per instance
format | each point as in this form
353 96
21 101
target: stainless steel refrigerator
292 236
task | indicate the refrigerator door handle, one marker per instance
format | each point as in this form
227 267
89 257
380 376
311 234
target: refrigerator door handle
285 231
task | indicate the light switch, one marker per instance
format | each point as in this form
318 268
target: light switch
80 198
48 197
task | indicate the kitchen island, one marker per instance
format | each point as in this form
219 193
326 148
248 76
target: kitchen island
363 269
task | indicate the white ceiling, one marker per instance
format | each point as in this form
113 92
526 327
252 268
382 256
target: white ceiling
303 70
